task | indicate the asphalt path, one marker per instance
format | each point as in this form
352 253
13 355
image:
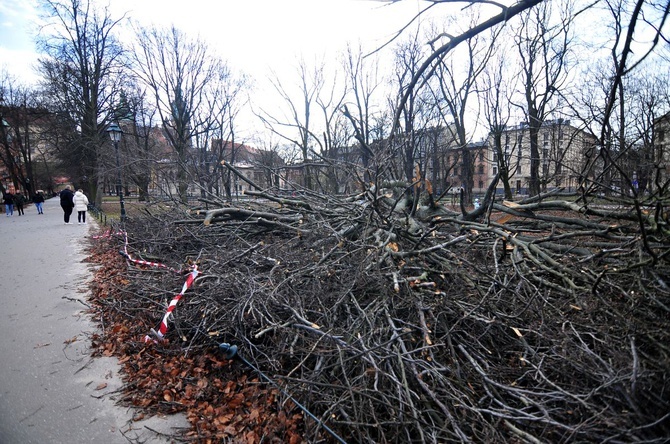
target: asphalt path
51 390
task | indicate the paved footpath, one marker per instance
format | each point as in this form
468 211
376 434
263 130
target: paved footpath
51 390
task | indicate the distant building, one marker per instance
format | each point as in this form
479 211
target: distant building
261 167
26 144
445 162
661 148
563 149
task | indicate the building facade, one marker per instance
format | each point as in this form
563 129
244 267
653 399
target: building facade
564 156
661 149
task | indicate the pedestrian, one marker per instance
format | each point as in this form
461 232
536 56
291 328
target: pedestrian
66 203
81 205
8 200
38 200
19 200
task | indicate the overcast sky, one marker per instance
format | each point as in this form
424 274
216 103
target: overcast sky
256 37
252 35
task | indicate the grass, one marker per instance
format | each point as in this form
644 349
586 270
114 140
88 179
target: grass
111 207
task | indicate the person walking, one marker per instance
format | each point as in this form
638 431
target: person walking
38 200
19 200
8 200
81 205
66 203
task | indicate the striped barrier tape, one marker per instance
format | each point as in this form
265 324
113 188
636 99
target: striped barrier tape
106 234
157 336
127 255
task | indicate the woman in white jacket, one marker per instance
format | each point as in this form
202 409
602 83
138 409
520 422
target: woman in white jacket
80 202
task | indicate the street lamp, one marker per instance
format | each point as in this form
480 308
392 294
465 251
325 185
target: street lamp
115 134
6 133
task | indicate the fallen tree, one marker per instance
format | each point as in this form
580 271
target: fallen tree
395 319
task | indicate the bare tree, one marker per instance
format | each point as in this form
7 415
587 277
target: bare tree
427 68
224 98
20 113
496 100
335 136
407 57
81 73
649 94
297 125
271 163
364 82
455 83
179 71
135 115
614 101
543 47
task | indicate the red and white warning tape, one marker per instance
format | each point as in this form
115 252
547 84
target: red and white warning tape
106 234
127 255
157 336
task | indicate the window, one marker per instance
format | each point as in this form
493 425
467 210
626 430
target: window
481 169
495 157
495 170
481 184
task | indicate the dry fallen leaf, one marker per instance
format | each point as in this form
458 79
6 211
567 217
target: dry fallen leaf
71 340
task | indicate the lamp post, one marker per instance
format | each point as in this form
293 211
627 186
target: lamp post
115 134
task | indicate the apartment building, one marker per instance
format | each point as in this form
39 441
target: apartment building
261 167
26 148
661 143
448 165
564 151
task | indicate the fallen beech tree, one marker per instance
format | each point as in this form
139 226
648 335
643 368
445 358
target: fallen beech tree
399 319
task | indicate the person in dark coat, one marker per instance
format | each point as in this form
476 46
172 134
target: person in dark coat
9 203
66 203
19 200
38 200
